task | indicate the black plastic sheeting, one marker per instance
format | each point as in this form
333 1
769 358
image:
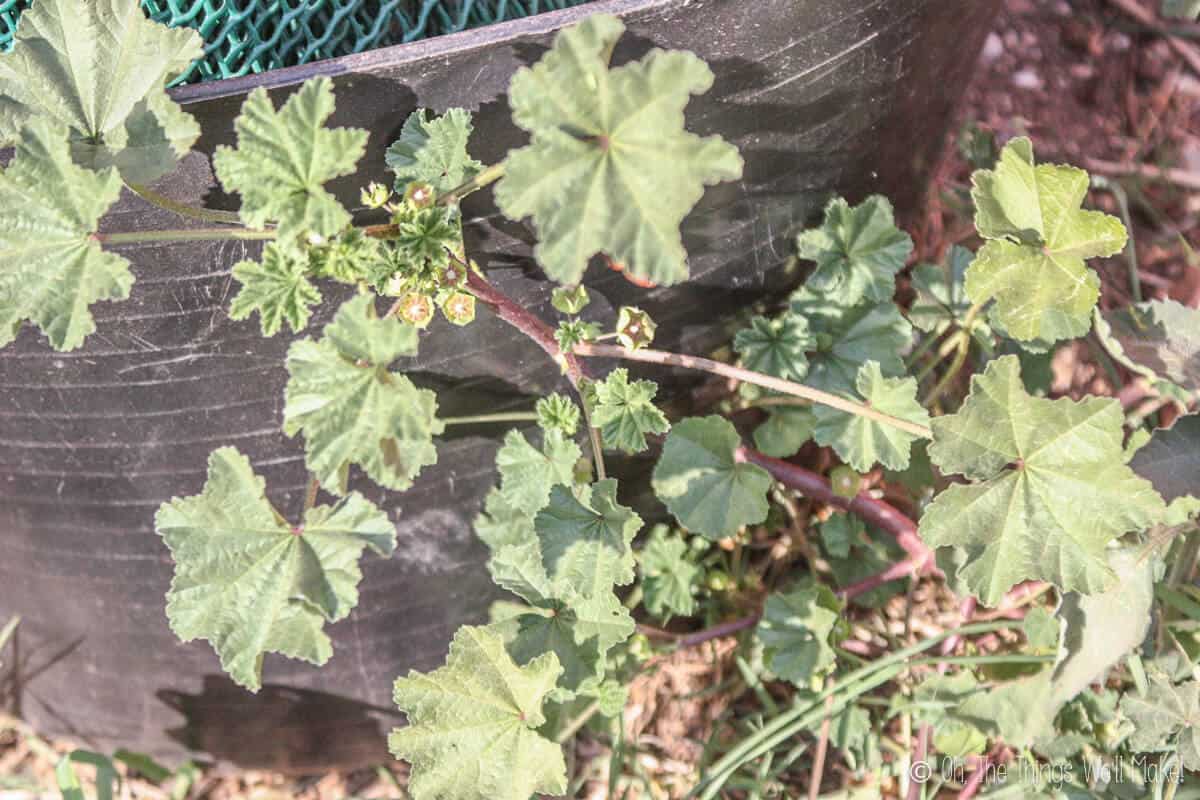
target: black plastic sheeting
820 95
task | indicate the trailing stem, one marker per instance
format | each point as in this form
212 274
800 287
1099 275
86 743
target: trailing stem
665 359
533 327
876 512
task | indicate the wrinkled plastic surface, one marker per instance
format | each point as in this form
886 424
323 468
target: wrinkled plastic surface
820 96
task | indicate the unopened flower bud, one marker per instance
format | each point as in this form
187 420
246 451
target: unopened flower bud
420 195
459 308
375 195
635 328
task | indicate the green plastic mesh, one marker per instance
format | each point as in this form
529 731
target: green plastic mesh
245 36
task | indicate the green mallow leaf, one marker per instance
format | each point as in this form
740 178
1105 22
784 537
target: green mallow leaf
516 564
1089 634
554 627
1167 718
588 544
284 158
1171 459
936 698
704 485
850 336
670 579
433 151
1181 9
100 68
858 251
566 566
934 702
1019 712
1039 239
870 552
472 725
557 412
527 474
1101 628
840 533
776 346
798 630
1050 487
863 442
352 409
51 270
1159 339
351 257
610 168
625 411
249 582
941 300
277 288
500 523
786 430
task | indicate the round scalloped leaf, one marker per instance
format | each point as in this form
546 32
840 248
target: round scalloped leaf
352 409
277 287
1159 339
284 158
472 725
625 412
863 442
1167 718
101 67
250 583
858 251
51 268
850 336
796 629
1050 488
1034 264
776 346
1171 459
703 484
610 168
433 151
670 578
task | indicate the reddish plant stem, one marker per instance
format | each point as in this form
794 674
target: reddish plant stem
876 512
973 784
914 785
718 631
525 321
859 648
966 610
818 772
810 484
901 569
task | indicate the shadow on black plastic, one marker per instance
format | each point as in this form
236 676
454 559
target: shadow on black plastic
280 728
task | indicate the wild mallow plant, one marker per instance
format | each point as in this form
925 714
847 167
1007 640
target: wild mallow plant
1019 491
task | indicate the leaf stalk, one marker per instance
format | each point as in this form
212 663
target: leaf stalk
183 209
182 235
663 358
485 178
